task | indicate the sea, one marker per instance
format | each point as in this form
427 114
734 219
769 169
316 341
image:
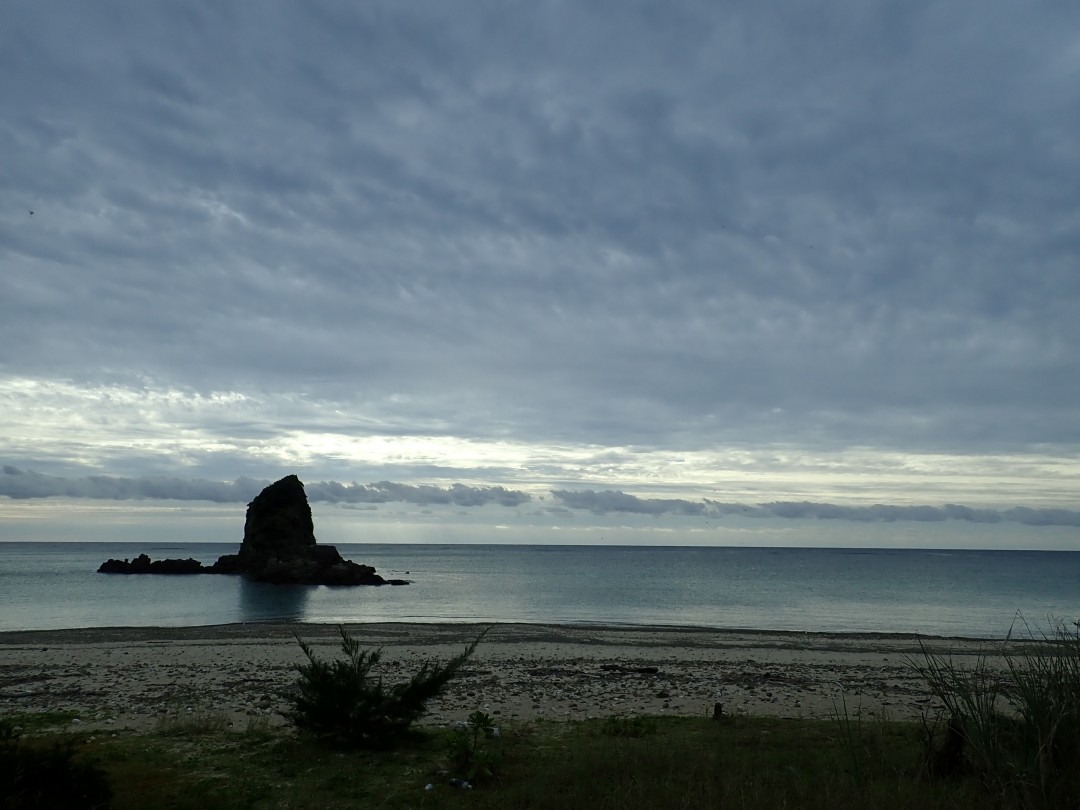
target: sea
963 593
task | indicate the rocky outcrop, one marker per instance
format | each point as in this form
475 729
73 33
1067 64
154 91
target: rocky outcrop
144 565
279 546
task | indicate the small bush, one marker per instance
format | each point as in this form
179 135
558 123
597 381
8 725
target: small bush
469 748
343 704
47 776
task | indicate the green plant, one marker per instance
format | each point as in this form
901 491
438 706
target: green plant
47 775
851 737
467 747
342 703
1017 726
259 727
31 722
757 763
636 726
191 723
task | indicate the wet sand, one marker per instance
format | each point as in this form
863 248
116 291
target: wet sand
128 678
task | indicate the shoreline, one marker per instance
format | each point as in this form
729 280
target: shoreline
130 677
242 629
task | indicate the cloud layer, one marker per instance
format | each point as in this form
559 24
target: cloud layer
612 502
543 244
16 483
21 484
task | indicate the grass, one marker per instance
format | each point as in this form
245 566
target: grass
184 723
656 762
32 722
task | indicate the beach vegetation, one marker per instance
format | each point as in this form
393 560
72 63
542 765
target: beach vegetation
30 722
473 748
679 762
188 723
633 726
344 703
1014 723
39 772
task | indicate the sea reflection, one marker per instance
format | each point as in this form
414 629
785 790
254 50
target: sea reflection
261 601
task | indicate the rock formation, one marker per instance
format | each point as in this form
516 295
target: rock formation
279 546
144 565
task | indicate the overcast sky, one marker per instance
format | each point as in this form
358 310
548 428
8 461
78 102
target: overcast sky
748 252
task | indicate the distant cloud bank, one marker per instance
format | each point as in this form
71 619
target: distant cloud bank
607 502
424 495
16 483
23 484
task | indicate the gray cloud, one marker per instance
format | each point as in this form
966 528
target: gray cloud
25 484
386 491
16 483
609 502
667 227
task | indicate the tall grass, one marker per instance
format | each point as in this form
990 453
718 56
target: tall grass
1018 723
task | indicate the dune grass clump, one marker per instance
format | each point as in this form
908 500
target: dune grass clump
1017 727
344 704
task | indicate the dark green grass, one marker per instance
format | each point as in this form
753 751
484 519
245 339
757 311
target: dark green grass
636 762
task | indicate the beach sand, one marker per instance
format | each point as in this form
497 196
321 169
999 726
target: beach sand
128 678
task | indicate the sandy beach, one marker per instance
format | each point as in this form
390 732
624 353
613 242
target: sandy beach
128 678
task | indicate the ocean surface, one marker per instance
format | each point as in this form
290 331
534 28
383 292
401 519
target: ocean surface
976 594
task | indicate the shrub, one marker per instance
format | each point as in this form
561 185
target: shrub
343 704
47 775
468 750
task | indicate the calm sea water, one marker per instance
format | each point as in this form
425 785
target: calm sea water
956 593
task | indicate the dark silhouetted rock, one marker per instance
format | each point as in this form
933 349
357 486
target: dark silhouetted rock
279 547
144 565
227 564
278 525
279 544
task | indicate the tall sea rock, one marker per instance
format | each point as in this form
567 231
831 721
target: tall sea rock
278 525
279 546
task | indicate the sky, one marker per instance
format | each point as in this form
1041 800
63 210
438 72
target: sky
555 264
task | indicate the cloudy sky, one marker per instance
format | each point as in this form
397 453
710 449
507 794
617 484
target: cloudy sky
585 257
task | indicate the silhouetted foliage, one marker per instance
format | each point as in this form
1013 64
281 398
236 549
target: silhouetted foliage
1017 729
47 776
342 703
